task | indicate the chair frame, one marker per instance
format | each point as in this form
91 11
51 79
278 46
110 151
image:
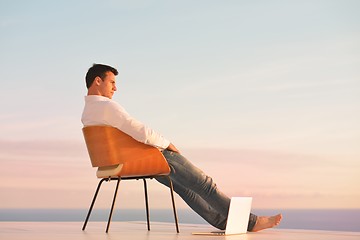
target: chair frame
146 199
109 147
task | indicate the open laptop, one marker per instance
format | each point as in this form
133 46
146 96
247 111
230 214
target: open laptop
238 217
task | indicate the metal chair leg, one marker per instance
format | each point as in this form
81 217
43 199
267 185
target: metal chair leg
93 202
147 205
173 203
146 202
113 204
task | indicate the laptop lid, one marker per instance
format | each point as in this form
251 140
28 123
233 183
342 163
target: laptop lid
238 217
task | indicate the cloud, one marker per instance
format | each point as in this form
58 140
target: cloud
279 175
63 167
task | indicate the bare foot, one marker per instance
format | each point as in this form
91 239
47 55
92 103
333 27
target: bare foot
266 222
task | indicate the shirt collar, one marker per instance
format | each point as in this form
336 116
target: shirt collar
95 98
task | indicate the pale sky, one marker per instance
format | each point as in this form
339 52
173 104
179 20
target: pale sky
262 95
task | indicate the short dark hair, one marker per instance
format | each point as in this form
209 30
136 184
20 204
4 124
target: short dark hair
98 70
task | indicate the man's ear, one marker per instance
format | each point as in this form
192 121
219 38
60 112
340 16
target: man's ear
97 81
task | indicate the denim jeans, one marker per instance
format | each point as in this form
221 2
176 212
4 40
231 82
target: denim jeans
199 191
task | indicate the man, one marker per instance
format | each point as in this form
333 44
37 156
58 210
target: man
196 188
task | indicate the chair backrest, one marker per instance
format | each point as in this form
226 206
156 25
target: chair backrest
108 146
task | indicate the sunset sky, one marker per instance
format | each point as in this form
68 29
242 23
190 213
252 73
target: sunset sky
262 95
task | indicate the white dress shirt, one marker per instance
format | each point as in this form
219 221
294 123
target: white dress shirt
101 110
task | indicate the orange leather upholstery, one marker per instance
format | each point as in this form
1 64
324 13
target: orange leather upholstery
108 146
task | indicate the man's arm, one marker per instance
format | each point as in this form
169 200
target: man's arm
119 118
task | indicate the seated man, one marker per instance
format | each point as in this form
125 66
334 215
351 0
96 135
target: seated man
196 188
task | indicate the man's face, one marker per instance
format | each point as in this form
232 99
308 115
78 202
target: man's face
107 85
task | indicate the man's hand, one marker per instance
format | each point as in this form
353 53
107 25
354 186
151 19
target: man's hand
172 148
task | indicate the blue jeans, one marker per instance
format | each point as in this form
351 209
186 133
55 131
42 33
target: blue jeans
199 191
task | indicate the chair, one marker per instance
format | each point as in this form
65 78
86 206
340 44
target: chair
120 157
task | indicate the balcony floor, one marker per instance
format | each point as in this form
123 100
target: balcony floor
138 231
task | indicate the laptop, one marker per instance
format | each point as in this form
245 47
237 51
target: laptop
237 220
